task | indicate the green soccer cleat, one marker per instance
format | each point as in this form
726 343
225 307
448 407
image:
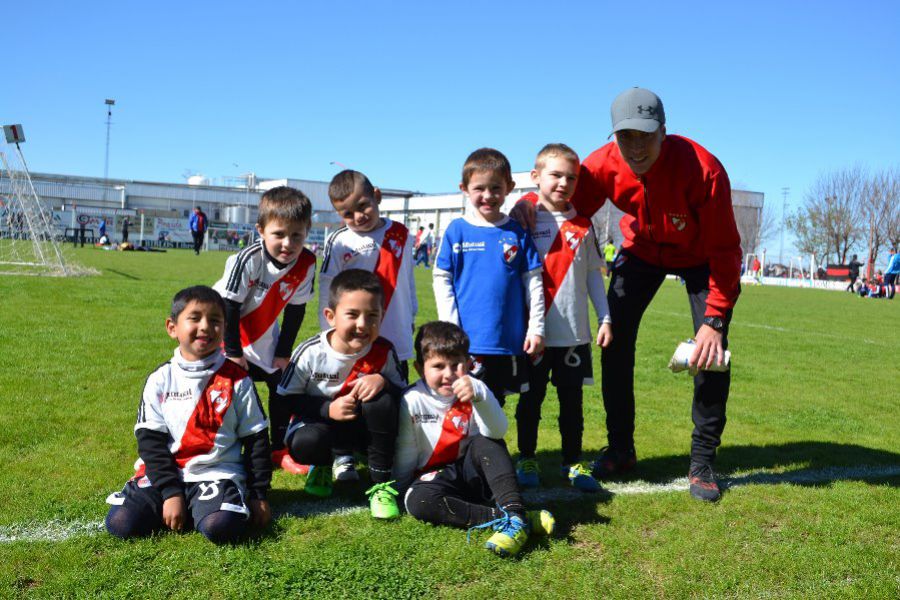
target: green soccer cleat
528 473
318 481
382 500
541 522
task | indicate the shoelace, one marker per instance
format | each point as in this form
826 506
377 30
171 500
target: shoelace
387 487
578 469
499 524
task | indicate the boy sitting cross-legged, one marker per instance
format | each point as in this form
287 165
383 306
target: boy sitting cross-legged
345 382
269 278
201 434
571 274
450 450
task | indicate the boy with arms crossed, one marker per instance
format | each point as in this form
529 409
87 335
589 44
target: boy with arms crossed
199 423
572 272
271 276
346 382
376 244
487 278
450 450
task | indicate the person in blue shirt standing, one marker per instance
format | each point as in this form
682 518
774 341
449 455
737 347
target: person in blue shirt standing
198 224
891 273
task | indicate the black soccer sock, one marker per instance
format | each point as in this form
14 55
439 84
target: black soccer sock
124 522
571 422
223 526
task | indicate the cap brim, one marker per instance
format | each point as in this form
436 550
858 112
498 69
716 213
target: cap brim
645 125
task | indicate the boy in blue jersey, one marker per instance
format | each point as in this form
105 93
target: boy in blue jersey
487 278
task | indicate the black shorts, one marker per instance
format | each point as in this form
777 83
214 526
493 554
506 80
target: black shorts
457 479
500 372
565 366
203 498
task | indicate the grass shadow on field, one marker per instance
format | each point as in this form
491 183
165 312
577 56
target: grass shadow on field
811 463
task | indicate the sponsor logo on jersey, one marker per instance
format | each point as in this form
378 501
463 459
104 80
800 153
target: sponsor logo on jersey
678 221
175 396
325 376
286 290
366 248
468 247
426 418
509 252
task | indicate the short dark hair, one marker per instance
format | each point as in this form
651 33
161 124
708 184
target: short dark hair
197 293
286 204
440 338
489 160
348 181
353 280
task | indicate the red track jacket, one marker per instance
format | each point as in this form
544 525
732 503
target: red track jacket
677 215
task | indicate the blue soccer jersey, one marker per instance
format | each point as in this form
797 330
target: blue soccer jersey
486 262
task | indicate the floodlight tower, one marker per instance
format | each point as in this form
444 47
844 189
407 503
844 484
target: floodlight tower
109 104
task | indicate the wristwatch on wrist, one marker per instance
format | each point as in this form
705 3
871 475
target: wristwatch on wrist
715 322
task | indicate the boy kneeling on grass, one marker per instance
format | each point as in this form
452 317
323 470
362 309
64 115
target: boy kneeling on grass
199 423
450 450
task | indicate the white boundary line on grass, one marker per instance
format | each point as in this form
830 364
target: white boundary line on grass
57 530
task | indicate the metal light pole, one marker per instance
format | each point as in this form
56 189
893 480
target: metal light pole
784 195
109 104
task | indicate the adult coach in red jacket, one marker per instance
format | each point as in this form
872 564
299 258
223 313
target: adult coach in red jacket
678 219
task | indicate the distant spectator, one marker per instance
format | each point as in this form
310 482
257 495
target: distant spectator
891 273
125 225
198 224
609 254
854 272
102 228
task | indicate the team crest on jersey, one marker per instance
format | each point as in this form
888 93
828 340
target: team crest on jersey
143 482
509 252
219 399
347 256
461 424
396 248
678 221
286 290
573 239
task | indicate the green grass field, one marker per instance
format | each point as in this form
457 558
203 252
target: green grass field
810 452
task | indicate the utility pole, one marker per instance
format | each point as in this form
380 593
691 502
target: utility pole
109 104
784 194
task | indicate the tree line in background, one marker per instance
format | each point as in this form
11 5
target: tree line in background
849 210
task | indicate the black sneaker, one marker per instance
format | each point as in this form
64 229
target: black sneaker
613 462
703 483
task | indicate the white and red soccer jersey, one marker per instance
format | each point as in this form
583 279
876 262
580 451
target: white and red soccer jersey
572 262
264 290
205 407
319 370
434 430
387 252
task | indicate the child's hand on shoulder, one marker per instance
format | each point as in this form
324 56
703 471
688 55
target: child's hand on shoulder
366 388
281 363
604 335
240 360
343 408
174 512
260 513
534 345
462 387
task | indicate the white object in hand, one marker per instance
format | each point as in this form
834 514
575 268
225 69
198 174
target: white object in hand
679 361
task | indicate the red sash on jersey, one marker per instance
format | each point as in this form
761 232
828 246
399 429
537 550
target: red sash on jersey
454 430
561 254
373 362
257 322
204 423
389 256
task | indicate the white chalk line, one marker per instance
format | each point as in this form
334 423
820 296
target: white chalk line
58 530
741 323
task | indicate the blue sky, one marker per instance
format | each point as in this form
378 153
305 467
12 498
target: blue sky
403 91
